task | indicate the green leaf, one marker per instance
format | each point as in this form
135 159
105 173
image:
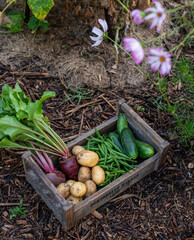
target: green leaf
6 143
34 110
17 19
40 8
34 23
44 24
11 127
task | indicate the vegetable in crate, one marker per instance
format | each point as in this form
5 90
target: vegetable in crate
128 143
22 124
145 149
64 189
111 158
84 174
116 139
56 177
87 158
78 189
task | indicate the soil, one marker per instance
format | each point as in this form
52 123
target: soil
157 207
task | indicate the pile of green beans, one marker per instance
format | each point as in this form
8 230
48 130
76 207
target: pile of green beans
111 159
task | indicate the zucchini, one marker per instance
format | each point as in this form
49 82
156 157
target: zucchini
145 149
115 138
128 143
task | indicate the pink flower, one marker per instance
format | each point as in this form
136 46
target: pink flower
137 16
160 60
99 33
157 14
133 46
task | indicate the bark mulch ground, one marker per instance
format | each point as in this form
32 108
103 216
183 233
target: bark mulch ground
157 207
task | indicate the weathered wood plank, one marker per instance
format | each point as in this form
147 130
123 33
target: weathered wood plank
103 128
113 189
163 149
63 210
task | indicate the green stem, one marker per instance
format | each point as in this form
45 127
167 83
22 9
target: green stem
116 40
179 8
123 6
7 7
58 140
182 43
48 138
43 143
166 35
127 4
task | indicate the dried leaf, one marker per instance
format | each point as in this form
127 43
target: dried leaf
4 19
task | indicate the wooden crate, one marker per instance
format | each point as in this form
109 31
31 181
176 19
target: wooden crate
64 211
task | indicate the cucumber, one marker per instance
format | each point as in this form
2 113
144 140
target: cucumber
145 149
121 122
128 143
115 138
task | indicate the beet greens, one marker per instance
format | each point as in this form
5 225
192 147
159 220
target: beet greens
22 123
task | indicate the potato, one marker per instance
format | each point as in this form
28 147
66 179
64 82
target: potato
64 189
73 200
77 149
84 174
70 182
98 175
87 158
78 189
90 188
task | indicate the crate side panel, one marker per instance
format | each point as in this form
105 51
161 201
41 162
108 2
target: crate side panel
63 211
103 128
113 189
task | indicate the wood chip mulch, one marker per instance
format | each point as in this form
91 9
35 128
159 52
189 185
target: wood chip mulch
157 207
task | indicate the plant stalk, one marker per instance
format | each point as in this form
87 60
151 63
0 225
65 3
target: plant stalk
123 6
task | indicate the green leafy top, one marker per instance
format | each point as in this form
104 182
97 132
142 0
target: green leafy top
23 125
14 102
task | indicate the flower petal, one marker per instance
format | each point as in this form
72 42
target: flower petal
151 9
152 59
155 51
150 16
154 23
138 56
160 22
96 38
158 5
97 43
97 31
155 66
104 25
137 16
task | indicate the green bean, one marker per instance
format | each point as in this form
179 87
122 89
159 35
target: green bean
114 145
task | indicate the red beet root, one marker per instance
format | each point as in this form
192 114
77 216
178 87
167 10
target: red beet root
70 167
56 177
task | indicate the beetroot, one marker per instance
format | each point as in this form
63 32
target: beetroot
44 161
70 167
56 177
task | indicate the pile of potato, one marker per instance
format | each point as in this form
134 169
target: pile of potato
89 176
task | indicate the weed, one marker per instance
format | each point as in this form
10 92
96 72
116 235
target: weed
19 210
79 94
182 105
